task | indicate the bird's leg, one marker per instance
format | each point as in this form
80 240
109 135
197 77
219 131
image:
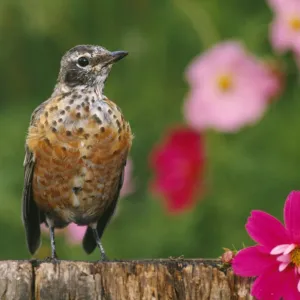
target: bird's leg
98 242
52 239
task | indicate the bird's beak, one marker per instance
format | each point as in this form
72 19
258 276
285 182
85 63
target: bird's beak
115 56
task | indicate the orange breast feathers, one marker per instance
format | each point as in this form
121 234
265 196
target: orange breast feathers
78 143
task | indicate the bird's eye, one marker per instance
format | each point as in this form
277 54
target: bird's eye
83 61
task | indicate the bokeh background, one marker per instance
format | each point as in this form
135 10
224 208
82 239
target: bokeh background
254 168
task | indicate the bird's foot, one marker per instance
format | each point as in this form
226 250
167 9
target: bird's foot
103 257
52 259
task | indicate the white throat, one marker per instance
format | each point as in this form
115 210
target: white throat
62 88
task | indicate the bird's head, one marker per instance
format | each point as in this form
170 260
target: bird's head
87 65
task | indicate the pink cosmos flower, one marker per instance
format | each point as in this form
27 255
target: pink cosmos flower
276 257
178 164
285 28
74 233
229 88
128 185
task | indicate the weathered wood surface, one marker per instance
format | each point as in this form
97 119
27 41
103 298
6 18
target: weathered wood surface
134 280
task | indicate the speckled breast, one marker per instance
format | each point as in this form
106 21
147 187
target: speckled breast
80 144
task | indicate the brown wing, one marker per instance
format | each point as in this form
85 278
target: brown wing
89 243
31 215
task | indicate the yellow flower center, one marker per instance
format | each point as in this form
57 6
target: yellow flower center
295 256
224 82
294 23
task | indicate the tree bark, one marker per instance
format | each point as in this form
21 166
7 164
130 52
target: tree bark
171 279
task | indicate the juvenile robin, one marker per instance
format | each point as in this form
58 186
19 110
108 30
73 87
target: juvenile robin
76 150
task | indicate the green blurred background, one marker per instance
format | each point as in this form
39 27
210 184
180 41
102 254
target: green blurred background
254 169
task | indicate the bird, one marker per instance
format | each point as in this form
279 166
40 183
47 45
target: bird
76 150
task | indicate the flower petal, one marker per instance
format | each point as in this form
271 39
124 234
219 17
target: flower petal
292 216
280 36
289 249
271 284
252 262
128 183
266 230
244 98
75 233
280 249
289 287
284 258
283 266
178 163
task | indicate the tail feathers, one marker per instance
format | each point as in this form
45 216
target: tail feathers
33 235
34 241
32 221
89 243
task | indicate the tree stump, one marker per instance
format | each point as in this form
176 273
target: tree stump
170 279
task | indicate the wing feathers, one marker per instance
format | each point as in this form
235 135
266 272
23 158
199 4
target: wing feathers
31 215
30 211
